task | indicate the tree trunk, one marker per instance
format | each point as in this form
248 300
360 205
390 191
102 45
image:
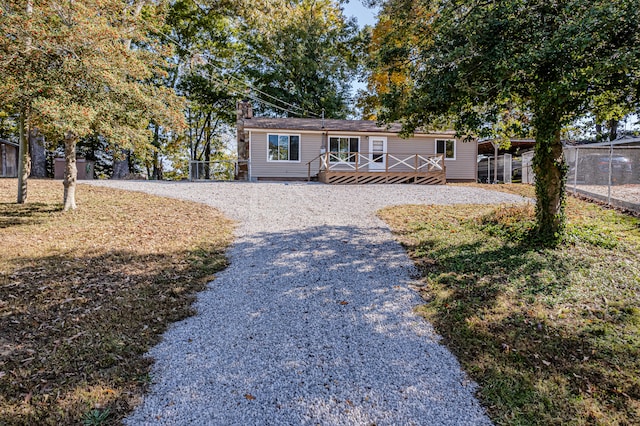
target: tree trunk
207 148
156 174
157 167
24 165
70 172
121 166
38 155
613 129
550 174
598 132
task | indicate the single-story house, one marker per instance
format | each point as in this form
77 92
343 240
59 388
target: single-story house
8 158
350 151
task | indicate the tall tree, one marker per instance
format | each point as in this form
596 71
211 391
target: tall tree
300 52
24 168
85 68
551 57
205 34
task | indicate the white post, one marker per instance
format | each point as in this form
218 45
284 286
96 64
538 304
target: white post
495 161
508 170
610 171
575 172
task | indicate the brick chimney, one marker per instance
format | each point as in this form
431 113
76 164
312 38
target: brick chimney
244 111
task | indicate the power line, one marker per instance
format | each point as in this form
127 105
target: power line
254 97
303 110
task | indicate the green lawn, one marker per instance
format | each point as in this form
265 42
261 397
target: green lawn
551 335
85 294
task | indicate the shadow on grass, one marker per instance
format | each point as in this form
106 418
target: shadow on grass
12 214
76 327
500 309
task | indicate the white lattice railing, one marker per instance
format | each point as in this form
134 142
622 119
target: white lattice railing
358 161
378 162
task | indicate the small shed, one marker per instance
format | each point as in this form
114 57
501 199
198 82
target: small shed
85 168
8 158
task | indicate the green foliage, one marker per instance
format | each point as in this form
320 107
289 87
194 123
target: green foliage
205 36
8 125
469 62
90 74
302 53
83 78
593 235
96 417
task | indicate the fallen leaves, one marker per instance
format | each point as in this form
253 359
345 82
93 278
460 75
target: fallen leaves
84 296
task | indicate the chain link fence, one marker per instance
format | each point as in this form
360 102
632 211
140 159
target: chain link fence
606 173
610 174
212 170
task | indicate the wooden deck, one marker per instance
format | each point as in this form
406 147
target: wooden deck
345 178
361 168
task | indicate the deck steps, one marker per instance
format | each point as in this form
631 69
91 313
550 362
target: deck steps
363 178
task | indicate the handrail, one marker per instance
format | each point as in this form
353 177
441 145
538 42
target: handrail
309 165
357 161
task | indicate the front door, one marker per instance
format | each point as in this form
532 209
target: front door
377 153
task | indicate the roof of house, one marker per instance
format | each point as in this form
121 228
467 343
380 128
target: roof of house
326 125
8 142
486 147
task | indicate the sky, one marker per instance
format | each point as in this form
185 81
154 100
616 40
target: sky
363 14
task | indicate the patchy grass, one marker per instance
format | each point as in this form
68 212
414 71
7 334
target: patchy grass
551 336
84 294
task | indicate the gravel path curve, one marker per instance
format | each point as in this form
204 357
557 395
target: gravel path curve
312 322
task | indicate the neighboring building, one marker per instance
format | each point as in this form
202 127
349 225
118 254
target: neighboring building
497 164
351 151
85 168
488 146
8 158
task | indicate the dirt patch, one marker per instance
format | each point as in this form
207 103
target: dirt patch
623 196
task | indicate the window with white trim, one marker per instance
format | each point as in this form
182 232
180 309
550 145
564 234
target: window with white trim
343 148
283 147
446 147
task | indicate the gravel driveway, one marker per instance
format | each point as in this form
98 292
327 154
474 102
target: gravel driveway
312 322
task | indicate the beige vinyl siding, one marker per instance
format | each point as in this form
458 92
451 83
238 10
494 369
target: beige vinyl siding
403 148
310 145
462 168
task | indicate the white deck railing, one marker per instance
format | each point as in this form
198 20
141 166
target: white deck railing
387 162
378 162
